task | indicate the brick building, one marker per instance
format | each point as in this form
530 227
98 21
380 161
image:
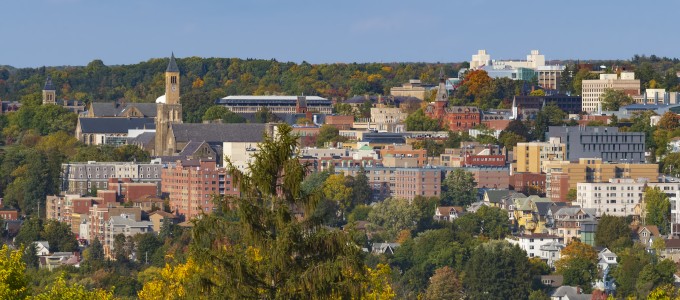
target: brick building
191 185
456 118
400 182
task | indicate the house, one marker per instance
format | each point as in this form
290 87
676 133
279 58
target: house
159 216
476 206
568 221
385 248
553 281
646 235
606 261
526 214
531 243
448 213
671 250
569 293
59 259
42 248
550 252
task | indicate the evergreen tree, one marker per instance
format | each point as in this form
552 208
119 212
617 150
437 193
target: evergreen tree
278 251
497 270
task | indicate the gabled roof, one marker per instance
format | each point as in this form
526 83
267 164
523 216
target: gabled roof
214 132
144 138
651 229
496 196
108 109
569 292
172 64
114 125
446 210
163 214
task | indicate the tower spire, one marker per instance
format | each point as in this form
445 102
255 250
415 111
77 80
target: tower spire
48 84
172 65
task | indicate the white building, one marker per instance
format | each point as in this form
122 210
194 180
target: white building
532 243
623 197
551 252
606 260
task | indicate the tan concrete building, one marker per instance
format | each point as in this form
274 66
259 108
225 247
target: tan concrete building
411 89
387 118
592 90
563 175
532 157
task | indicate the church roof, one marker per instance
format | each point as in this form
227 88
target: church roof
114 125
48 84
214 132
172 65
108 109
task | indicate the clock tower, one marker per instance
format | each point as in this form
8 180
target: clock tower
169 112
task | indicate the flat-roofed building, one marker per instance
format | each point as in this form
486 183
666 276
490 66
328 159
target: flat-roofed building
413 88
276 104
191 184
563 176
532 157
82 177
593 89
607 143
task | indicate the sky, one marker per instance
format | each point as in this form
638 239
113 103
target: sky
74 32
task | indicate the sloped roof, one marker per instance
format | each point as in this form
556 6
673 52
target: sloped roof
164 214
144 138
172 64
214 132
570 292
108 109
496 196
114 125
651 228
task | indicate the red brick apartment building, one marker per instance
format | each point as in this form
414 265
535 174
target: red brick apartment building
191 184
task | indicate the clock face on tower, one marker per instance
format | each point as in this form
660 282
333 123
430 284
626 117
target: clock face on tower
174 87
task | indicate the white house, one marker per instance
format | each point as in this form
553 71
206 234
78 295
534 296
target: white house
532 243
448 213
607 260
551 252
42 248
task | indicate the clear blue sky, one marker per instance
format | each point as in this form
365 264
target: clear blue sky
74 32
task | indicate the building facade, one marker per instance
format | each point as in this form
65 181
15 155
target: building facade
593 89
276 104
191 185
606 143
532 157
563 176
82 178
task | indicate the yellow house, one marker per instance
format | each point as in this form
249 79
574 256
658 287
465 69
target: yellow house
528 213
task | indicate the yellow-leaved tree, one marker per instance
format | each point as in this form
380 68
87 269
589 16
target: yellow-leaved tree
13 280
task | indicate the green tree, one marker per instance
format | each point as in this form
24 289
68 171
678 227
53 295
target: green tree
571 195
669 121
444 284
510 139
59 236
459 188
418 121
273 253
505 274
418 258
60 290
631 262
146 245
219 112
361 188
329 134
614 99
658 209
550 115
613 232
394 215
